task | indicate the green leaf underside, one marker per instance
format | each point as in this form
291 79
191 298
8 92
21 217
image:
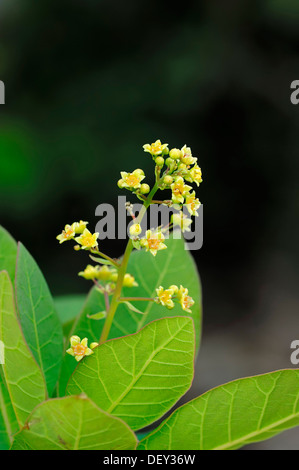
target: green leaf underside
23 377
8 253
138 378
38 317
172 266
8 421
232 415
68 307
73 423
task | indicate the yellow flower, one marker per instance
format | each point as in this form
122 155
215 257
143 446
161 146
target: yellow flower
194 175
79 227
153 242
87 240
164 297
90 272
135 230
182 221
129 281
114 277
192 203
79 348
67 234
179 190
184 299
131 180
187 157
156 148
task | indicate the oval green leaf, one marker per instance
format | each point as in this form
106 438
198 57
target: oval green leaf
38 317
23 377
232 415
73 423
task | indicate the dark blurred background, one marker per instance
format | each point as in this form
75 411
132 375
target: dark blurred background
89 82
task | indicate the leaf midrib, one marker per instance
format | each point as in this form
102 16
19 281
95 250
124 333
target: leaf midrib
242 440
133 382
38 350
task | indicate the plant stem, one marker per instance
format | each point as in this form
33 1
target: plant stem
112 261
122 270
106 301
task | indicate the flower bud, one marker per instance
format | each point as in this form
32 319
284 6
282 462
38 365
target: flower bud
170 163
129 281
182 166
175 154
144 188
159 161
135 230
139 172
114 277
168 180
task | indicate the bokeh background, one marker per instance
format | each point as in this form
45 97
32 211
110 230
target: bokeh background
89 82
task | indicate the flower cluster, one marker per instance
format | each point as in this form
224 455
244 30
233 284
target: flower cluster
107 276
166 297
180 168
175 170
86 240
79 348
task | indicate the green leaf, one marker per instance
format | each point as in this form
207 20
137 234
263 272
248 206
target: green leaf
98 316
101 260
140 377
73 423
8 253
68 307
23 377
38 317
232 415
8 421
